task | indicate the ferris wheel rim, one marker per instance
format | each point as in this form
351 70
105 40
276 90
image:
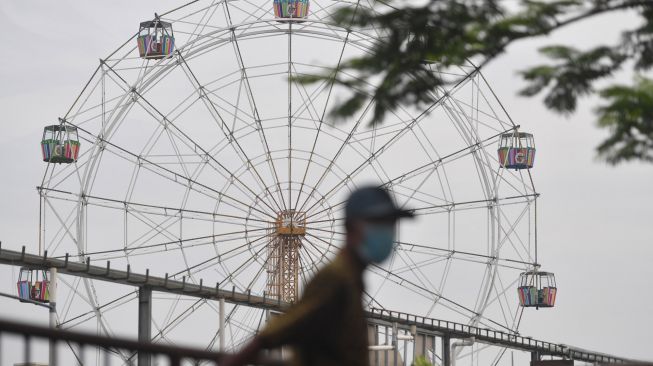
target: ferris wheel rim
169 65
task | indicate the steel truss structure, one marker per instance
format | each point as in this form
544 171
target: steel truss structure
424 330
189 162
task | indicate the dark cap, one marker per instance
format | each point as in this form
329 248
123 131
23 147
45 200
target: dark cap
373 203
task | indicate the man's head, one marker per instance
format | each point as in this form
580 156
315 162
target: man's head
370 219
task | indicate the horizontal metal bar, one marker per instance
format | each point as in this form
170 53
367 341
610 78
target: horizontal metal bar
25 300
129 278
484 335
34 331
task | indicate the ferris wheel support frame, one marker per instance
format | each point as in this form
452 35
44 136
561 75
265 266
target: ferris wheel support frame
231 34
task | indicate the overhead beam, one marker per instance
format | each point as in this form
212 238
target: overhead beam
71 266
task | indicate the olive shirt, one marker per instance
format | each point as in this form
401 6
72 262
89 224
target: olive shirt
327 326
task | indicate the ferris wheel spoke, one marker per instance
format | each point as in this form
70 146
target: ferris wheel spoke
192 144
321 119
305 266
173 245
331 248
470 205
311 263
227 255
228 133
461 255
402 281
335 157
421 170
177 177
197 268
201 265
322 229
306 105
444 208
322 254
158 210
434 166
231 277
377 153
254 108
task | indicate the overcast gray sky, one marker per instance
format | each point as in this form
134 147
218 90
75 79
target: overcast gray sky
595 224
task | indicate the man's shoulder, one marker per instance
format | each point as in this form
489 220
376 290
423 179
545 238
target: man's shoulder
334 274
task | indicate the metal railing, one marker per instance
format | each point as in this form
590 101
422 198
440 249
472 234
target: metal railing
496 337
69 266
18 341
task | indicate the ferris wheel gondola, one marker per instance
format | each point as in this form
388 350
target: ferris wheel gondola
155 39
537 289
290 10
34 285
60 144
517 150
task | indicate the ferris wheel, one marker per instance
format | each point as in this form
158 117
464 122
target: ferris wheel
198 155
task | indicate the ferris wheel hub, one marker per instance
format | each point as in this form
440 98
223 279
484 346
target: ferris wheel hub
290 223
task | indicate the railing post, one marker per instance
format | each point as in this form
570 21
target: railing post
52 289
535 356
222 324
446 351
144 322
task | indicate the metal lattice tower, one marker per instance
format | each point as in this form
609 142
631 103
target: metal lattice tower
283 255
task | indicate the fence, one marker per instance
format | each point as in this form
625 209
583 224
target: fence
20 341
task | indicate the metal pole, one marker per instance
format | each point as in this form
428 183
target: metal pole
535 356
446 351
222 329
52 288
144 322
395 344
413 332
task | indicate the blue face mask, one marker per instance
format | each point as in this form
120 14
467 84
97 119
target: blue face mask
377 243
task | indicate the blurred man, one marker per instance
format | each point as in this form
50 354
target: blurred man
327 326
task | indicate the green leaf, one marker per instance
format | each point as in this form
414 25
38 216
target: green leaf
628 116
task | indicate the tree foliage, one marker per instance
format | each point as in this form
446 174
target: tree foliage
450 32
